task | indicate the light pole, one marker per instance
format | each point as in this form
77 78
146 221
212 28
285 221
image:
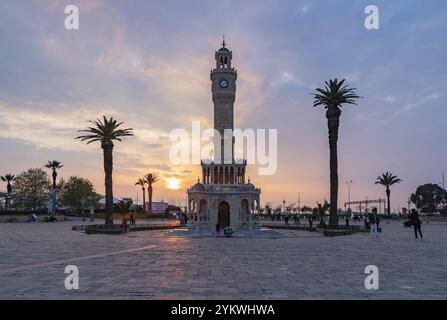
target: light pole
443 187
349 192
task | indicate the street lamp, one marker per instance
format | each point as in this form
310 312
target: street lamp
349 192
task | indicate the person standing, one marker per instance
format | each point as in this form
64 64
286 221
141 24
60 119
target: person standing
416 222
372 217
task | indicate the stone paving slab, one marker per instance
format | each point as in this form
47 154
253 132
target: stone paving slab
150 265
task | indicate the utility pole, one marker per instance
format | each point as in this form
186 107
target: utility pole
349 192
299 202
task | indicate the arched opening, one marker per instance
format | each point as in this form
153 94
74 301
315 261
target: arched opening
192 206
224 214
244 210
255 206
203 210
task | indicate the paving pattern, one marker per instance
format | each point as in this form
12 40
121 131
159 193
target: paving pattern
149 265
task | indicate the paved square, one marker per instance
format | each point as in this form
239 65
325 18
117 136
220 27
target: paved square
149 265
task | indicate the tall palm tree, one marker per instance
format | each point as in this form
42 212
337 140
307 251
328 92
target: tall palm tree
150 179
387 180
105 131
8 178
334 94
142 183
54 165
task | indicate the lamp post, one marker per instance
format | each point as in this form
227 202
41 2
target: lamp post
349 192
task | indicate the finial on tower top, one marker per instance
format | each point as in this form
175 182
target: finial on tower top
223 41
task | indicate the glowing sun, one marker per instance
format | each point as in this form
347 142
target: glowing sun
173 183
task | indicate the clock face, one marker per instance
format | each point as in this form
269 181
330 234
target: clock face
223 83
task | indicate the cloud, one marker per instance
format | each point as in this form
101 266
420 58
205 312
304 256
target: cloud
286 78
390 99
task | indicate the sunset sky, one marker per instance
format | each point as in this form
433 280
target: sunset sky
147 63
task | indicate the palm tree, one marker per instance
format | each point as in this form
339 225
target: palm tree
54 165
150 179
322 209
142 183
8 178
106 131
332 97
387 180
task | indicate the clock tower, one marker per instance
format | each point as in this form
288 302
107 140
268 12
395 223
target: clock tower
223 195
223 88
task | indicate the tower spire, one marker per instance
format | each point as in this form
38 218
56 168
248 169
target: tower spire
223 41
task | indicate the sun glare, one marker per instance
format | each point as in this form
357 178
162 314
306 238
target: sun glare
173 183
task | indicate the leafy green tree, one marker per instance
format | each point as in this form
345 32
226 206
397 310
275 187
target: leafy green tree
334 94
106 131
387 180
427 197
305 209
77 193
33 185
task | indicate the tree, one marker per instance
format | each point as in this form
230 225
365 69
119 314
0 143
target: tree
78 193
106 131
387 180
54 165
305 209
150 180
8 178
322 209
332 97
427 197
142 183
34 186
123 207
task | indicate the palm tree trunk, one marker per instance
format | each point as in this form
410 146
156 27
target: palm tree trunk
54 178
108 168
149 194
388 192
144 200
333 116
8 198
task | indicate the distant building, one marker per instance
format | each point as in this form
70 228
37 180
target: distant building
157 207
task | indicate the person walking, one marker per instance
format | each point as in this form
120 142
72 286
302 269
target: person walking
416 222
372 217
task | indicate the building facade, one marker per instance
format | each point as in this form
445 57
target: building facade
223 195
